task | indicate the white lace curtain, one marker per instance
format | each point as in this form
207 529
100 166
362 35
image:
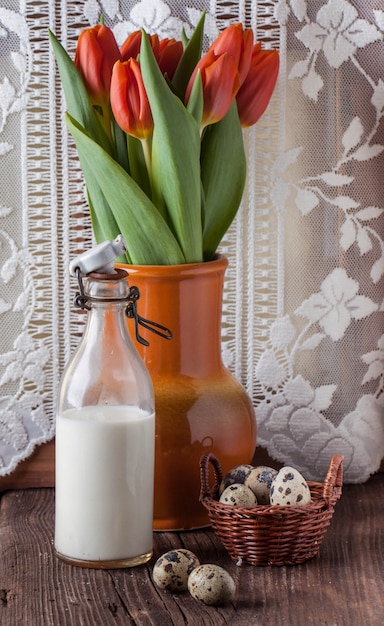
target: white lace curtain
303 310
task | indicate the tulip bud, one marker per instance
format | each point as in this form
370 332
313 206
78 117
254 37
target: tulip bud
221 82
96 54
129 100
170 52
131 46
238 43
256 91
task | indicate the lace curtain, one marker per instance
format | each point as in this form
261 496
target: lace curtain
303 305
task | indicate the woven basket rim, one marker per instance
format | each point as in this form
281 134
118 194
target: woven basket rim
330 492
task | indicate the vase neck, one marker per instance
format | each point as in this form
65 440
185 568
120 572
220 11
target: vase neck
188 301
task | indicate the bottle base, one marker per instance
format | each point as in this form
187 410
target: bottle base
107 564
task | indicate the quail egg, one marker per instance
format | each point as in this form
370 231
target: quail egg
172 569
211 584
289 488
237 474
238 495
259 480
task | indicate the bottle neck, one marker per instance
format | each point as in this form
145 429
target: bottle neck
106 298
104 289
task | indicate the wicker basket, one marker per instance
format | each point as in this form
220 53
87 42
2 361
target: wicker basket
271 535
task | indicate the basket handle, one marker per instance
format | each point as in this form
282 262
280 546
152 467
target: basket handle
205 460
334 478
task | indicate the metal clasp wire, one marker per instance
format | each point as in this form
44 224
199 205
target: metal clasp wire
154 327
81 300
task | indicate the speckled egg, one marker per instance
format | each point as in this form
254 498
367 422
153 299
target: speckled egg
172 569
238 495
237 474
259 480
211 584
289 488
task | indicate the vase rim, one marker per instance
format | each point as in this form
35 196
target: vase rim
218 263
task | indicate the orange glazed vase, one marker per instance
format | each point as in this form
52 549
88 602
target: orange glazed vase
200 407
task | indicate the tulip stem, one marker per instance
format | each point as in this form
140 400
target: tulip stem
146 144
106 116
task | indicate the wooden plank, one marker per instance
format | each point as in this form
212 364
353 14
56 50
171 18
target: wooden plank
342 586
36 471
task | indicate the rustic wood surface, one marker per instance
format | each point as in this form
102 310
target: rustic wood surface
344 585
38 470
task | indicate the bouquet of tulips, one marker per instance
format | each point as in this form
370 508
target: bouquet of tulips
158 130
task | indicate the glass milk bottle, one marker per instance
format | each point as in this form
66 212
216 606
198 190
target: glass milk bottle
105 430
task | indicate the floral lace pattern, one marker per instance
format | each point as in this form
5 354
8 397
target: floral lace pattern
304 298
24 399
321 374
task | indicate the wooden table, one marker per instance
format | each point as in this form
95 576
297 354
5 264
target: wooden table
344 585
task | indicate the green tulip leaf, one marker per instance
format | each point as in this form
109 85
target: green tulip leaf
148 238
223 175
175 157
104 225
137 165
76 96
196 100
189 58
120 146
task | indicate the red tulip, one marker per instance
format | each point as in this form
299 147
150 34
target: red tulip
131 46
238 43
129 100
167 52
221 83
96 54
255 93
169 55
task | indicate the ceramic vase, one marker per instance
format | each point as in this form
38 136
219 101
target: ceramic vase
200 406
